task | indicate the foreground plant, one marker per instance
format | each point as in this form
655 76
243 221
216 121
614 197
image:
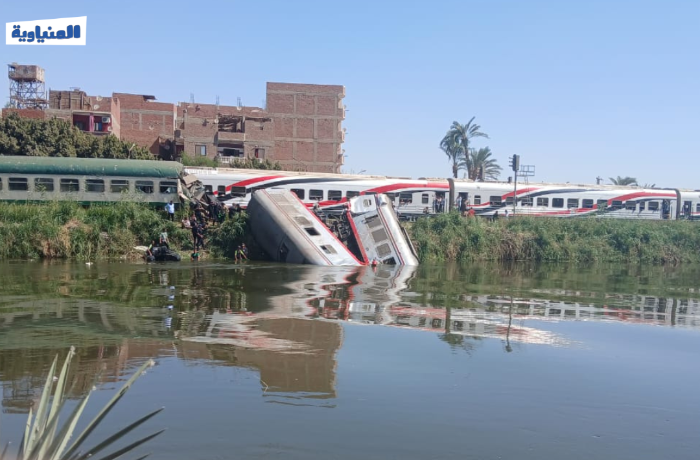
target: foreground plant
44 440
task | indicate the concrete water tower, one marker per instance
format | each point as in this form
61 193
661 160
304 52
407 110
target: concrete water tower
27 86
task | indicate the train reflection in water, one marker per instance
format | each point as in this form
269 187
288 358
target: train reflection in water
288 331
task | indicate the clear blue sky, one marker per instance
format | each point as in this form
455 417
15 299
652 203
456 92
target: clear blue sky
577 88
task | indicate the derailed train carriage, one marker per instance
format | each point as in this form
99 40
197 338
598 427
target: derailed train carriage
413 198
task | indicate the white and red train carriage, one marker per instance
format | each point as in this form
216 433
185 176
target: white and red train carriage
413 198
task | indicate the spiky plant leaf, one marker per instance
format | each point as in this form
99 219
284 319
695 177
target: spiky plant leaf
61 441
105 410
41 412
116 436
130 447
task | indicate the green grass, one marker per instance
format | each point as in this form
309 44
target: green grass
451 237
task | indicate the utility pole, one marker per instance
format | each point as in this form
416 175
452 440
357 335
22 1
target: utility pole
515 165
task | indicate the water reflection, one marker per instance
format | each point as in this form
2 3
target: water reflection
286 322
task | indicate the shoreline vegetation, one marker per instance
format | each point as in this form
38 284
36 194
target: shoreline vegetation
66 230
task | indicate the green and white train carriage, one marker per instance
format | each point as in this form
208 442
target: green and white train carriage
90 180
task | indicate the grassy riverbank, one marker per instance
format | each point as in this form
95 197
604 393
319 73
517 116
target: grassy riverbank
451 237
65 230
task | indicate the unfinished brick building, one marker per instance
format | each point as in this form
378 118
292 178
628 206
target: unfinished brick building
301 127
308 131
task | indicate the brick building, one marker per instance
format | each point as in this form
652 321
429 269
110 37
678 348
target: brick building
301 127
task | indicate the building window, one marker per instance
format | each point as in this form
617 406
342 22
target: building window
119 186
557 202
299 193
315 194
543 202
70 185
98 126
95 185
260 153
168 187
18 184
144 186
335 195
43 184
200 150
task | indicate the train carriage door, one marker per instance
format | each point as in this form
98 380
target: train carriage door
686 209
463 203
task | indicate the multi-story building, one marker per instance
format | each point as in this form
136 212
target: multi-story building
300 127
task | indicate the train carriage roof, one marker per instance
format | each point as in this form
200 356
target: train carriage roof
89 167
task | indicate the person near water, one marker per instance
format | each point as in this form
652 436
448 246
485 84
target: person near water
194 255
244 249
170 208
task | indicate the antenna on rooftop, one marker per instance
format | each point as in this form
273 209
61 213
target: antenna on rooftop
239 103
191 98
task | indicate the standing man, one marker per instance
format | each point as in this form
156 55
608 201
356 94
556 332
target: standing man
170 208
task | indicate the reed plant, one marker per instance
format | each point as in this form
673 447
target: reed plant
46 439
451 237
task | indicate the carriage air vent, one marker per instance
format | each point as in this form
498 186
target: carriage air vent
379 235
383 250
303 221
373 222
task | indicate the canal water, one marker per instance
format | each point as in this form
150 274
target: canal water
434 362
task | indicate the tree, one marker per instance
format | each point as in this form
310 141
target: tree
624 180
649 186
478 159
456 142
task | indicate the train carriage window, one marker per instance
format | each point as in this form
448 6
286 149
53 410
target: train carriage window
572 203
425 199
207 188
299 193
697 206
351 194
311 231
587 204
642 205
316 195
391 196
221 190
543 202
238 191
70 185
145 186
328 249
477 199
631 205
335 195
406 198
509 201
526 201
119 186
43 184
495 200
18 184
95 185
653 206
557 202
0 183
616 204
602 204
168 187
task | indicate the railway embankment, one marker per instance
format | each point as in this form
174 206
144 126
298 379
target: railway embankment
451 237
66 230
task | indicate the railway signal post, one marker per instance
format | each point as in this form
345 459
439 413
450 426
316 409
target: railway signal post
514 163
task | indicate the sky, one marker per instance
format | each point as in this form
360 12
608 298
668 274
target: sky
579 89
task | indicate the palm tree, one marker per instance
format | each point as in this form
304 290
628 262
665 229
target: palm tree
453 150
455 144
624 180
481 159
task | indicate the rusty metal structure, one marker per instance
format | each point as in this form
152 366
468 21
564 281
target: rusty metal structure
27 86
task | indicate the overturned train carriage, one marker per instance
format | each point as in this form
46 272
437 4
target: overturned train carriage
289 232
92 180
